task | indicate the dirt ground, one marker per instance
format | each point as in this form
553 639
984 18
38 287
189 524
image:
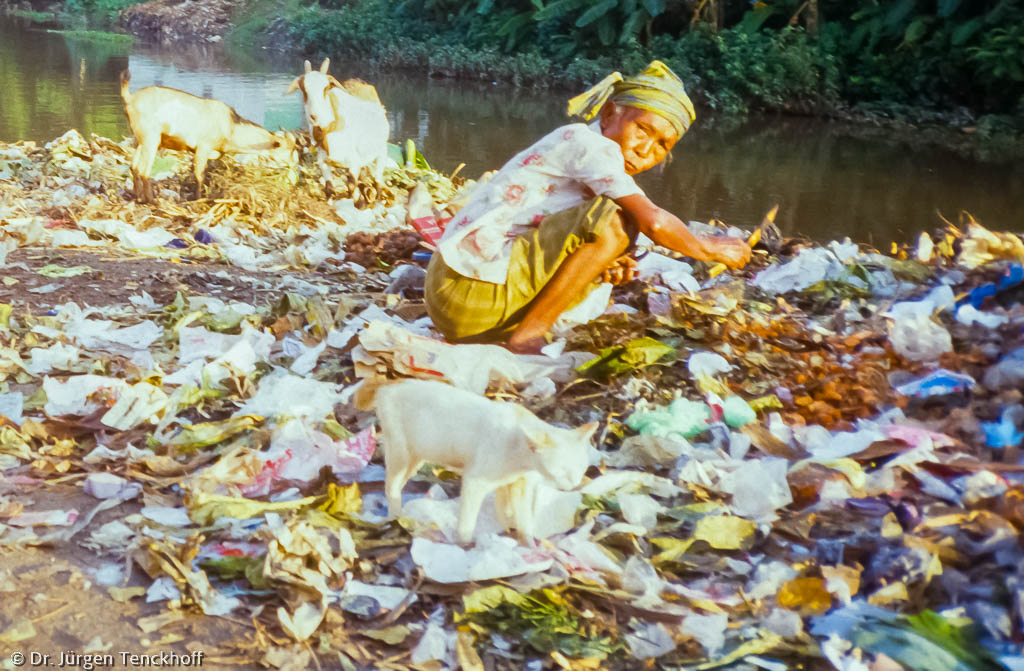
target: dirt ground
115 278
63 589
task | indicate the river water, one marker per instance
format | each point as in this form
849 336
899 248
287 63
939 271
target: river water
829 181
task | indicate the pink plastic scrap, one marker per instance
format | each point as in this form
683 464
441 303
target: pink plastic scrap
914 436
232 549
53 518
362 446
345 457
260 485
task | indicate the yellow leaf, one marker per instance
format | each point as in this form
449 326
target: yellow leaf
342 500
20 630
807 596
891 527
725 532
469 659
210 433
836 575
206 508
488 598
13 443
766 643
897 591
392 635
672 549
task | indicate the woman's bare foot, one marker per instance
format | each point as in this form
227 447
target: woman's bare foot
525 344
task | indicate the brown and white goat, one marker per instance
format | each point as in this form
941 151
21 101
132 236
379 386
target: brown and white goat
167 118
347 120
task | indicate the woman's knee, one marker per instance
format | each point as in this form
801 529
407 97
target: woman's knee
614 237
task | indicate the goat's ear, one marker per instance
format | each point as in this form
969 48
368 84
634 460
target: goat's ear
587 430
326 64
294 86
536 438
334 83
307 66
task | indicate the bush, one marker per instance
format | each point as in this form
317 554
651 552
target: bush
906 63
98 12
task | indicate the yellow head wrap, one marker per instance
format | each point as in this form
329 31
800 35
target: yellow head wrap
657 89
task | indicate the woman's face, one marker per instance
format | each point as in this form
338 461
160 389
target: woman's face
645 137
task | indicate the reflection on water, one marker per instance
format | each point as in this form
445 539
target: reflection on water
828 181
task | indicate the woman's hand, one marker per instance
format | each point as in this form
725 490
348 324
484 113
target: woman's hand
733 252
622 270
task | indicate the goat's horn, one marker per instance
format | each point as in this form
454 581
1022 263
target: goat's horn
293 87
326 64
306 64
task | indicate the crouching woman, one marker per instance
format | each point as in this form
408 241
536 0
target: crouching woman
562 214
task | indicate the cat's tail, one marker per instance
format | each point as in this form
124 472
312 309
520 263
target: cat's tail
364 396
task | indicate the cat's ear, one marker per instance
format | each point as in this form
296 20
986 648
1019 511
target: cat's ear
587 430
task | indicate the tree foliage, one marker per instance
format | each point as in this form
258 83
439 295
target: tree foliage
932 53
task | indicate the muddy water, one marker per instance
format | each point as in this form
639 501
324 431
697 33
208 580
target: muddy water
830 181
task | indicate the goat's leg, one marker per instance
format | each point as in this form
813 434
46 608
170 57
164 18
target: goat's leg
327 173
199 167
472 497
142 165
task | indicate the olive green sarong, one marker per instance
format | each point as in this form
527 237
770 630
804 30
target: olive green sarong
469 310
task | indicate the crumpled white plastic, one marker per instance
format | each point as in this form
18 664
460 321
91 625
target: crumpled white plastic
913 332
810 266
707 364
281 394
495 557
759 488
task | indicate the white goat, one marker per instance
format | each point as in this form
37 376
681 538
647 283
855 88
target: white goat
347 121
169 118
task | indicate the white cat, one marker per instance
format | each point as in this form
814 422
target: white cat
494 444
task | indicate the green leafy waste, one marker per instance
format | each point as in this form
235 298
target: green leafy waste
544 619
410 156
621 358
233 568
927 641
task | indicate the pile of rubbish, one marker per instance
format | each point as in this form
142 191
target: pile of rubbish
811 463
169 21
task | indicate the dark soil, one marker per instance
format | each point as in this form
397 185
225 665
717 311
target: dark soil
116 278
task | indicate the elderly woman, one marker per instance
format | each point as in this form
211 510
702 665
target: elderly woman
561 215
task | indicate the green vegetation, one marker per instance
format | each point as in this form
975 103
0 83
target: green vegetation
32 15
98 12
96 36
80 14
945 61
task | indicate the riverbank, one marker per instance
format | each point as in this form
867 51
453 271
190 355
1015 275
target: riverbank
732 73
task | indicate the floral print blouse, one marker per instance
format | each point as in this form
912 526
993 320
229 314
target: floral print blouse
563 169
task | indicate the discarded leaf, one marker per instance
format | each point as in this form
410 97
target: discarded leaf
54 270
621 358
207 508
342 500
807 596
725 532
210 433
391 635
21 629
